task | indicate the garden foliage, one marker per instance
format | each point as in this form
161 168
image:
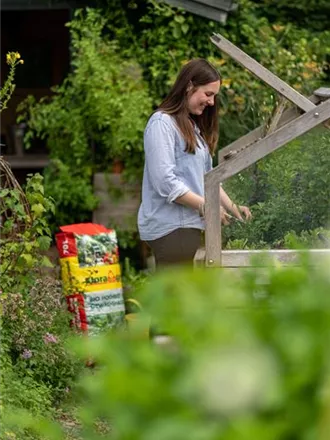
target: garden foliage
37 369
24 233
95 116
289 191
245 361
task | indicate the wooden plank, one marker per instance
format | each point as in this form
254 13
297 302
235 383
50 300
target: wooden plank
323 93
199 9
264 258
257 134
276 116
261 72
267 145
212 224
27 161
224 5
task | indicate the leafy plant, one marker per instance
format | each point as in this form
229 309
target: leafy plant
305 13
24 233
237 364
12 59
96 115
290 191
35 328
19 393
317 238
72 193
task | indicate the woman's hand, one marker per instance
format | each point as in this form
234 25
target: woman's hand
242 213
224 217
246 212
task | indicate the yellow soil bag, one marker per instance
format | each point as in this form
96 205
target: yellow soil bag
91 276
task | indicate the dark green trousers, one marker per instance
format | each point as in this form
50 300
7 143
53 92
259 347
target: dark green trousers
178 247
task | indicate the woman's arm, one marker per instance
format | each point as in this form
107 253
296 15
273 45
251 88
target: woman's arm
194 201
237 211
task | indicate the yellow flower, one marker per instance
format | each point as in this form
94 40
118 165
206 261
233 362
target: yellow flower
8 58
21 61
311 64
306 75
278 27
226 82
239 100
221 62
17 55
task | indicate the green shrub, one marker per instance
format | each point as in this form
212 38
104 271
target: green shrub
25 234
96 115
35 328
73 193
317 238
287 191
245 361
20 392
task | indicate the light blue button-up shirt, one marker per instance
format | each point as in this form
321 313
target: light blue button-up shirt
170 172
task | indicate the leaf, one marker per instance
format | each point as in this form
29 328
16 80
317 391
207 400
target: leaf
179 18
4 192
185 28
45 262
176 32
43 242
38 209
28 259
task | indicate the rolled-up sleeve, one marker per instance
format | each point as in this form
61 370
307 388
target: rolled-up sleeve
159 147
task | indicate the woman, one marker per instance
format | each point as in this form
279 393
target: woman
179 140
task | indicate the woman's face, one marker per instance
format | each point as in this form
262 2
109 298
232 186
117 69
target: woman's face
203 96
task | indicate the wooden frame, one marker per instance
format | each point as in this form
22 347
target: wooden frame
216 10
285 126
262 258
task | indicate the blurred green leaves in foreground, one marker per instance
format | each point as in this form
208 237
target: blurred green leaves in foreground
246 361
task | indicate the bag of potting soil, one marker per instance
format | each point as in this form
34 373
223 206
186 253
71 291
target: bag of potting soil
91 277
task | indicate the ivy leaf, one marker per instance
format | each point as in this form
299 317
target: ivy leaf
28 259
179 18
185 28
176 32
45 262
38 209
4 192
43 242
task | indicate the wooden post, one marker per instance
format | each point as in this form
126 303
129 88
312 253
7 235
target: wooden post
212 223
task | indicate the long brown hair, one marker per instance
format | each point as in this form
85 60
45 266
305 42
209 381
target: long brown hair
197 72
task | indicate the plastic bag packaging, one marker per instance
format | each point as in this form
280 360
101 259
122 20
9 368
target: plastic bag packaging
91 276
